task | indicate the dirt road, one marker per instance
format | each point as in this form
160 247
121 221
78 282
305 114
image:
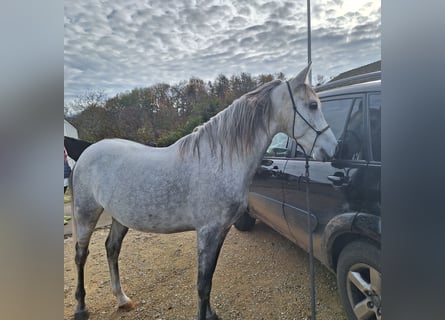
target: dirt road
260 275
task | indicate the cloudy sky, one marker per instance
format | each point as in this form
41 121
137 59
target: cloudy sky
118 45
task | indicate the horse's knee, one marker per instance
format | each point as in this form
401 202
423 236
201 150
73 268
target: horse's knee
81 255
114 240
111 249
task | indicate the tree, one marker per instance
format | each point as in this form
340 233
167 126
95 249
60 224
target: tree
280 75
242 84
320 80
264 78
93 123
88 98
162 113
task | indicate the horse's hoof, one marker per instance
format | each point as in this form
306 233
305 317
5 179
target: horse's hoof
127 306
81 315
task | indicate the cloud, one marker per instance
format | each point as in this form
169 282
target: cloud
118 45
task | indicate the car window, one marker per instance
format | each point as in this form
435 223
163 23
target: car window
279 147
375 104
336 112
351 143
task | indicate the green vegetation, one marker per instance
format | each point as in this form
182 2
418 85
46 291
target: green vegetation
67 196
161 114
66 219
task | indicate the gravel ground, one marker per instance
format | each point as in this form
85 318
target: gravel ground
260 275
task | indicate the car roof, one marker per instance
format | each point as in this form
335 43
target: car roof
354 88
360 83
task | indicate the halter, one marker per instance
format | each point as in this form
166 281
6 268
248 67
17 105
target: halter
317 132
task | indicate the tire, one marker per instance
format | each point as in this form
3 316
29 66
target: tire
245 222
359 280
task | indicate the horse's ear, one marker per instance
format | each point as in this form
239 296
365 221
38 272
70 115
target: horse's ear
302 77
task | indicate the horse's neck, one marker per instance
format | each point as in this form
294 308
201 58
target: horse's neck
262 142
248 163
254 159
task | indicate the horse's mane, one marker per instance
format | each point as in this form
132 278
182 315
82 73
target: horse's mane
234 129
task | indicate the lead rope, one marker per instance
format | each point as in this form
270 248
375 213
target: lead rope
309 221
311 244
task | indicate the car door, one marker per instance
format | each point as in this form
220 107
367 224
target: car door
330 182
372 182
266 190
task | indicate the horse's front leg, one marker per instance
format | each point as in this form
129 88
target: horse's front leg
113 246
210 241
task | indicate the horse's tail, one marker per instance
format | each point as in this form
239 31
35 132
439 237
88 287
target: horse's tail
73 217
75 147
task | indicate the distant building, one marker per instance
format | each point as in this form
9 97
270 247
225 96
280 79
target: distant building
69 130
372 67
364 73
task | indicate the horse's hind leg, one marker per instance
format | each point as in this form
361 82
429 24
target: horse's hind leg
80 259
85 224
113 245
210 241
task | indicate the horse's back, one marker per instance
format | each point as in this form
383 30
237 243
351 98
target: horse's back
122 162
115 147
134 183
111 152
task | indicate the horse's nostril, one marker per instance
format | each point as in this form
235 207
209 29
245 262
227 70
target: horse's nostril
337 148
321 155
325 157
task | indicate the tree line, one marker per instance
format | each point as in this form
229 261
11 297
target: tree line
160 114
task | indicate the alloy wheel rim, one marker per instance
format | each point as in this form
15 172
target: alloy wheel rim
363 285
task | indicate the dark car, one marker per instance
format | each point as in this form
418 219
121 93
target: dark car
344 194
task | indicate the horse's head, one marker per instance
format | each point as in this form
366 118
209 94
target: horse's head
303 118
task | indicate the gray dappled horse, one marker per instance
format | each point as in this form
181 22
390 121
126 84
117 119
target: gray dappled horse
199 183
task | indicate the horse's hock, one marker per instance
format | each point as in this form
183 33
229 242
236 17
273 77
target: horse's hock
260 275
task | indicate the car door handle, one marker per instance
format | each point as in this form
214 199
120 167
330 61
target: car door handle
338 180
275 171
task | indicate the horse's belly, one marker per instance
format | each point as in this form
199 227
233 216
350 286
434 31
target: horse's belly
158 221
157 226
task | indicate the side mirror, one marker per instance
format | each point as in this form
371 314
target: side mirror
281 152
266 162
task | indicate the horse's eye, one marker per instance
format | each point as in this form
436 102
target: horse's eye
313 105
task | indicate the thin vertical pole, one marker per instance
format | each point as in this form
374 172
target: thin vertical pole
309 57
311 250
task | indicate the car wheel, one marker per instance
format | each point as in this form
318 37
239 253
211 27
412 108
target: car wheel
245 222
359 281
